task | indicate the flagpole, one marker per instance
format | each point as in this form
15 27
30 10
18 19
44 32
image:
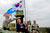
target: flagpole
25 10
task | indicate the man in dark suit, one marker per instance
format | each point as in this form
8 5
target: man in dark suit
25 27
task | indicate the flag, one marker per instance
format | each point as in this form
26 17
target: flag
22 4
10 11
19 5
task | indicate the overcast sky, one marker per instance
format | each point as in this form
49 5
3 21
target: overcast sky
38 10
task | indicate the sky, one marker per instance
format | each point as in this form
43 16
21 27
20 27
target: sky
38 10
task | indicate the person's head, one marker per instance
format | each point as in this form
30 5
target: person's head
25 22
7 17
34 22
18 21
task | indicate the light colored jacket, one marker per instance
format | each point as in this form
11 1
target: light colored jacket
35 27
7 21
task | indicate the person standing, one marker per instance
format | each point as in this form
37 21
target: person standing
35 27
29 28
6 22
25 29
18 26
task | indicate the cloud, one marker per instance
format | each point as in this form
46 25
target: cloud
39 10
35 9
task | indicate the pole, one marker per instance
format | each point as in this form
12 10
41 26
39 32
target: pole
25 9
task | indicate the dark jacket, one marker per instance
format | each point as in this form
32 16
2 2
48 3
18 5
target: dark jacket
25 30
18 27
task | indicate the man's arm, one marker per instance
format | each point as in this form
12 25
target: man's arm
38 28
12 19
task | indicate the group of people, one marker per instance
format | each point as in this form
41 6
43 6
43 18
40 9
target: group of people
24 28
21 27
33 28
